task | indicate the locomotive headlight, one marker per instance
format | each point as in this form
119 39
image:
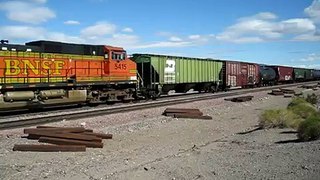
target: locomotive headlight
133 77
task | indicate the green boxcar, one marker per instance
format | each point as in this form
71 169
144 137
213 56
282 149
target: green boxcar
181 74
301 74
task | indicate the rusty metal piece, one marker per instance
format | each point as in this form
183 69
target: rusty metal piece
240 99
192 116
100 135
57 130
287 91
74 136
191 113
59 141
32 136
49 148
276 92
86 130
180 110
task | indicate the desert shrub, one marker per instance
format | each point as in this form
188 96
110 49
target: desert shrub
312 98
296 101
304 110
279 118
309 129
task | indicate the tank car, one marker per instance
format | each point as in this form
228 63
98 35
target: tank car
267 75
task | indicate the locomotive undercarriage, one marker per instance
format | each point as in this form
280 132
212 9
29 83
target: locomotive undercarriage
48 97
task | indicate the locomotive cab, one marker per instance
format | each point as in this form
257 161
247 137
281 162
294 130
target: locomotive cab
117 63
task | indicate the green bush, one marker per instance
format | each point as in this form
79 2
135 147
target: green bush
312 98
309 129
304 110
296 101
280 118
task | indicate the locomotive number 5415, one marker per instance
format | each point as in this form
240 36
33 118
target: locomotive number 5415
120 66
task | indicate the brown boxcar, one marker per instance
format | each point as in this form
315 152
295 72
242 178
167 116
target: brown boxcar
240 74
283 74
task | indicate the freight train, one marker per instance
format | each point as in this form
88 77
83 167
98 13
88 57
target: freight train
48 73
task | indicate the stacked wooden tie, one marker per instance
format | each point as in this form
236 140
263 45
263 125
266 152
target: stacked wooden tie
240 99
185 113
276 92
281 91
62 139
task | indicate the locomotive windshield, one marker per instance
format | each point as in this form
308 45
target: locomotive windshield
118 55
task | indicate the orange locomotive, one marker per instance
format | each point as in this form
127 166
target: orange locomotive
44 73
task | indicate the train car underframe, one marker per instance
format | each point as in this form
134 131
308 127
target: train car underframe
37 98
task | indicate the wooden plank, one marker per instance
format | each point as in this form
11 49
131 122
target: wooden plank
68 129
74 136
187 113
193 117
48 148
59 141
185 109
86 130
175 110
100 135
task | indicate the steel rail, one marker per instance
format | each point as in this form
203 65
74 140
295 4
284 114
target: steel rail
132 107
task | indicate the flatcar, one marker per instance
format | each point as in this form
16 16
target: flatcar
43 73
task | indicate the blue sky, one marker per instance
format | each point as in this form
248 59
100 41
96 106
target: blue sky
285 32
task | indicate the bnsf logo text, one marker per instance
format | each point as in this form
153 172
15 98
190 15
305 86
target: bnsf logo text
36 67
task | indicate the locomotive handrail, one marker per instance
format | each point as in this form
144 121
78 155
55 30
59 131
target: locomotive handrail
46 76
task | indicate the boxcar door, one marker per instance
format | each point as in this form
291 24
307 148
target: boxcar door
244 75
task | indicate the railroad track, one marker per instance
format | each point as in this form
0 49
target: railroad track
54 117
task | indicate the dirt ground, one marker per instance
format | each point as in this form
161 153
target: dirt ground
147 145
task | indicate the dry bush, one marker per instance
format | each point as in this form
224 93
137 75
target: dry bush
312 98
304 110
296 101
309 129
280 118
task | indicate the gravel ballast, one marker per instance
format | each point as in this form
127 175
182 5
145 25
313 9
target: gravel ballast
147 145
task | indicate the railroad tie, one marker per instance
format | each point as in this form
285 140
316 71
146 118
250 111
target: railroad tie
185 113
49 148
62 139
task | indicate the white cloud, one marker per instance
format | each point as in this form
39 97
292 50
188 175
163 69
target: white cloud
313 11
21 32
310 66
27 12
71 22
164 44
296 26
123 40
98 30
61 37
311 57
127 29
175 39
264 27
194 37
262 15
39 1
307 37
